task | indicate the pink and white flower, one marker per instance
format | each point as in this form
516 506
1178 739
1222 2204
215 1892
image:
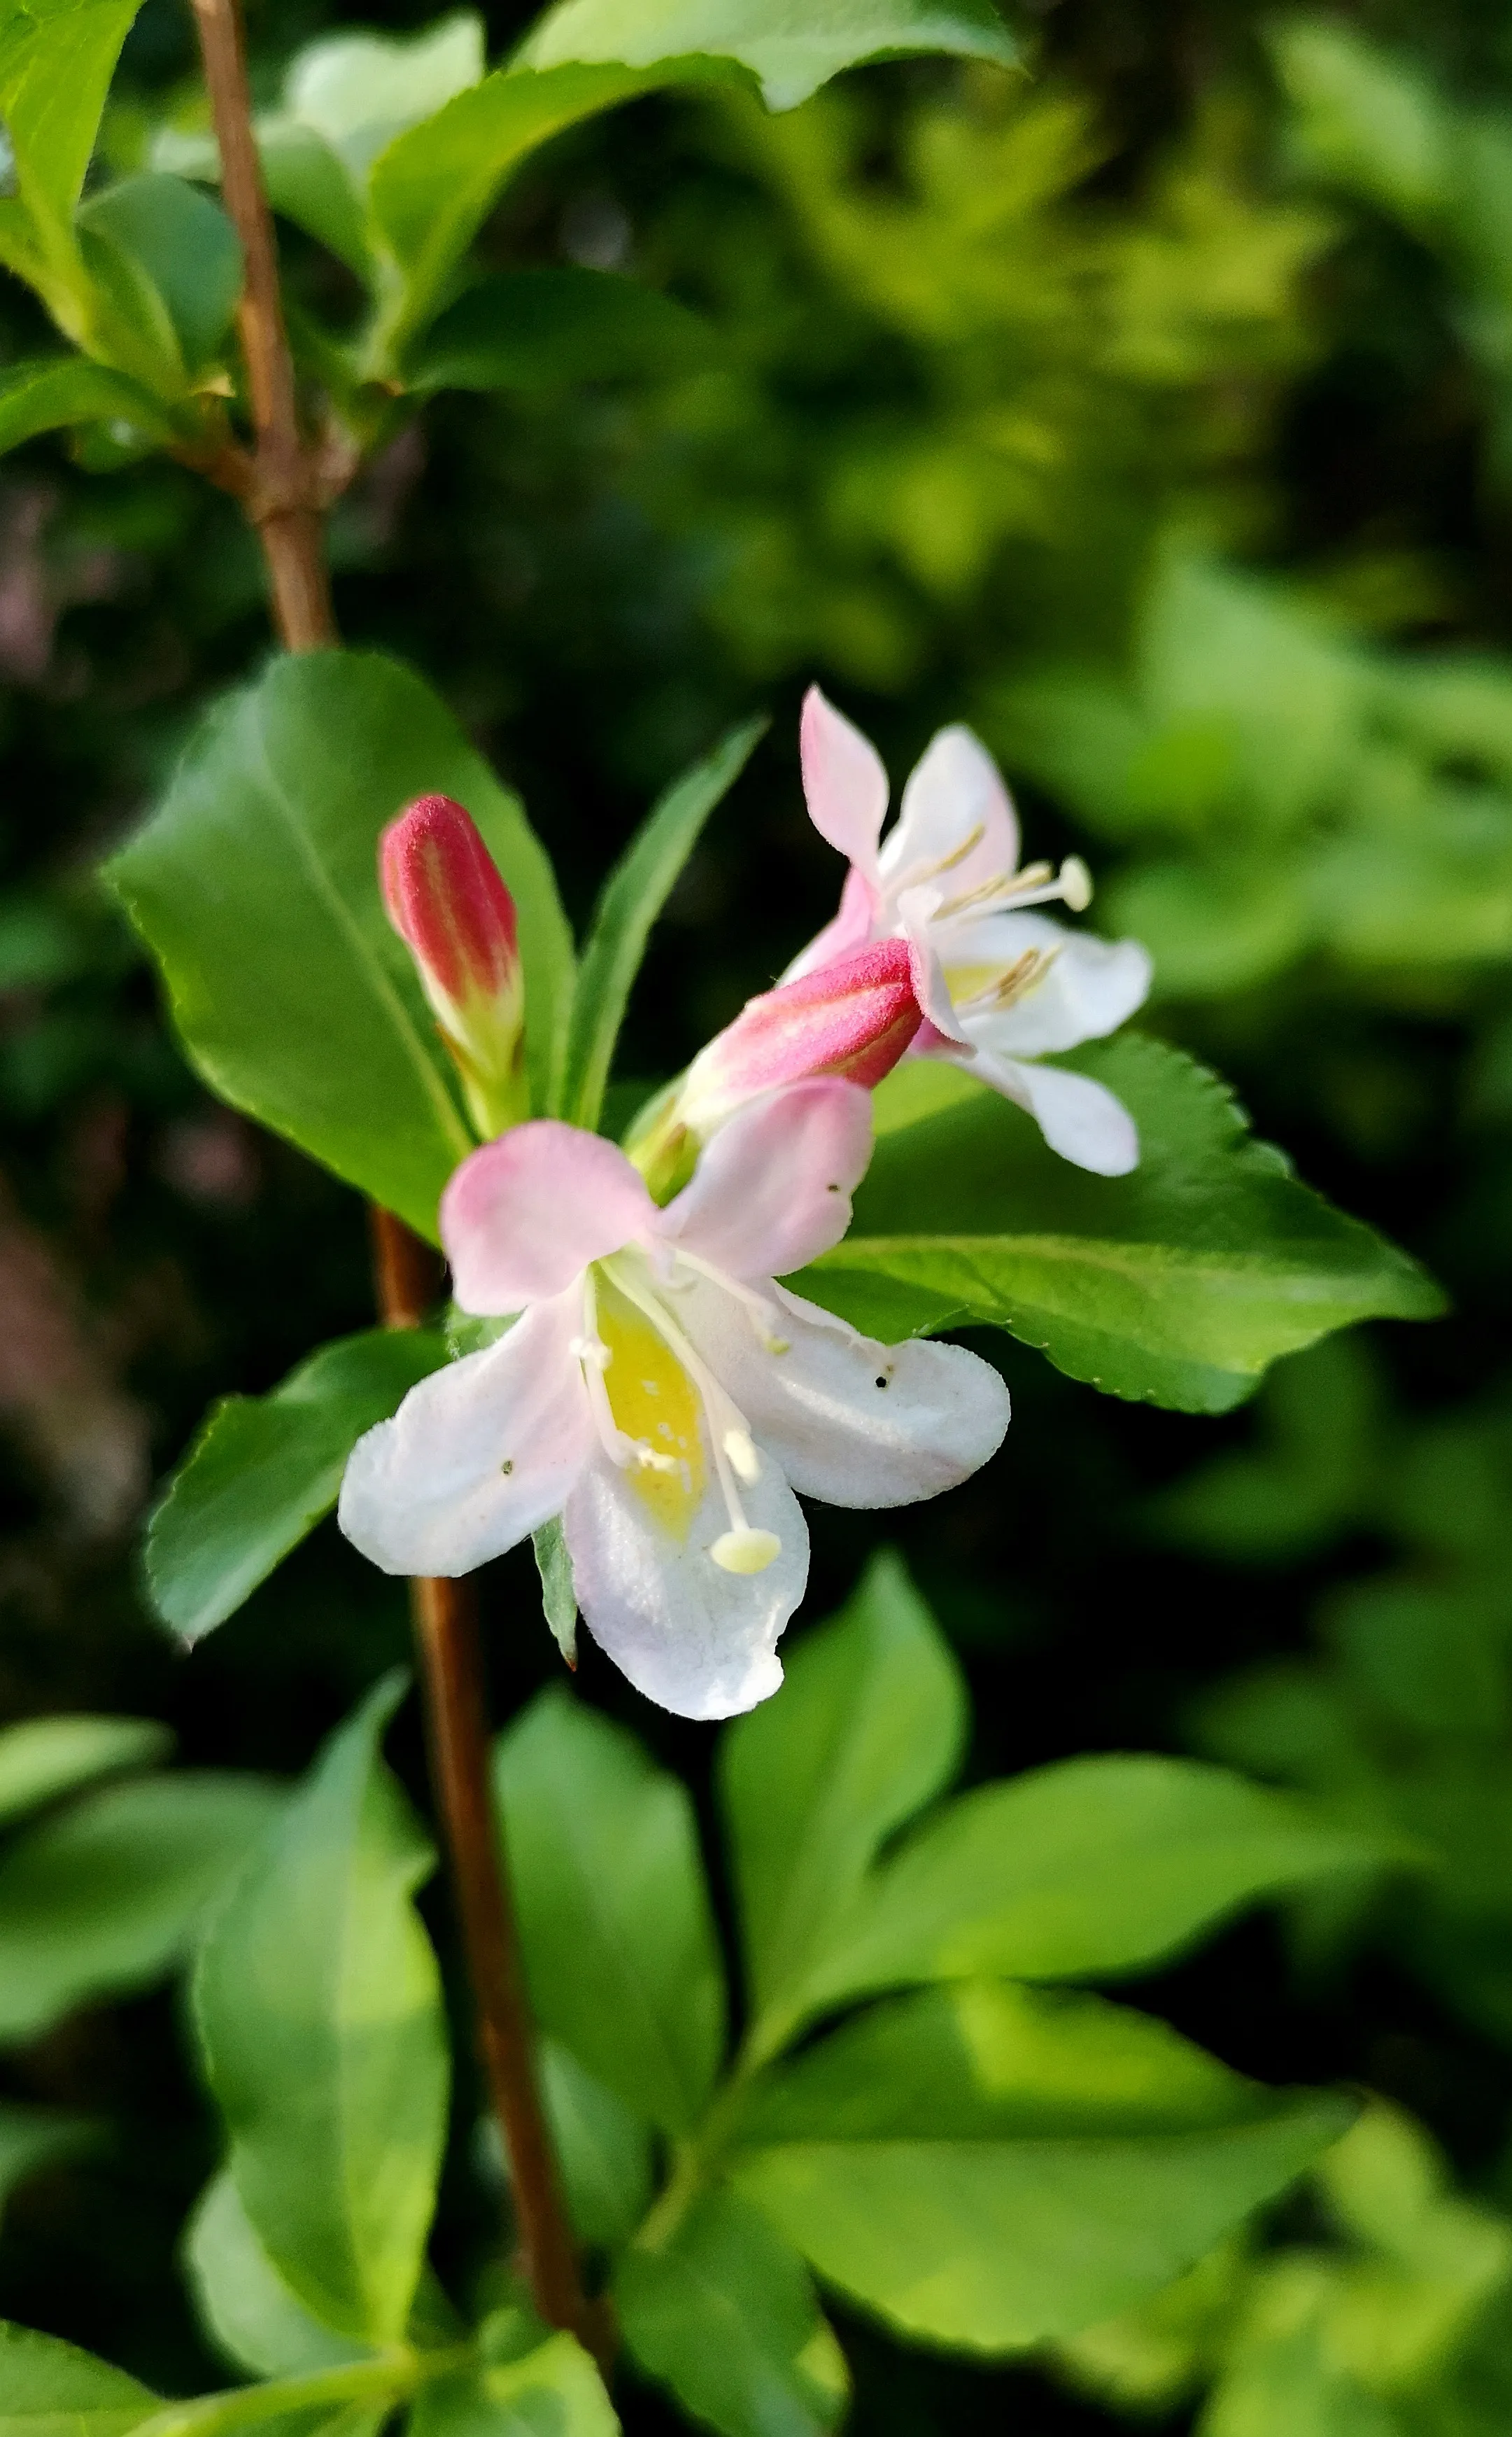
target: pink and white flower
663 1395
1000 985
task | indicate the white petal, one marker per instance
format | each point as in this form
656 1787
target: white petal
1078 1119
477 1456
851 1420
773 1189
1089 987
955 791
699 1640
845 783
916 910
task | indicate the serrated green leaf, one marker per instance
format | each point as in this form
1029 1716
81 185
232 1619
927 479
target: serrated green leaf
619 1945
867 1728
265 1469
1178 1284
633 897
255 886
111 1894
50 2389
46 1756
989 2167
542 329
317 2004
724 2314
1090 1867
55 393
792 47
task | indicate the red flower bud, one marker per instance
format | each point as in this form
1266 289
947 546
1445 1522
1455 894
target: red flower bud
446 901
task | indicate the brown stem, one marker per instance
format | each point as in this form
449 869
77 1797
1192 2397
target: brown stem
282 488
283 498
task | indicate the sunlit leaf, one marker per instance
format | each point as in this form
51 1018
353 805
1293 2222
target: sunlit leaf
54 392
1178 1284
792 47
987 2167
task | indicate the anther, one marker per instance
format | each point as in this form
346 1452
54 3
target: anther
746 1551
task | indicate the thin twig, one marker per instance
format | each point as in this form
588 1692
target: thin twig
284 499
284 486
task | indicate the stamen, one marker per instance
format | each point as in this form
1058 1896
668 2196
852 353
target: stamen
762 1309
1015 891
1013 985
746 1550
593 1356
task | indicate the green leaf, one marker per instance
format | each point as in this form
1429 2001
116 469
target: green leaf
619 1945
49 2388
725 2315
1369 122
792 47
318 2010
545 329
633 897
53 393
308 183
1178 1284
111 1894
241 2299
46 1756
559 1595
265 1469
552 2390
187 247
56 58
1090 1867
1287 2381
989 2167
867 1728
603 2148
255 886
434 188
357 92
32 2137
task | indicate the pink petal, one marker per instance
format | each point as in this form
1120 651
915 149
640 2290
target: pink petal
851 928
772 1188
843 780
525 1216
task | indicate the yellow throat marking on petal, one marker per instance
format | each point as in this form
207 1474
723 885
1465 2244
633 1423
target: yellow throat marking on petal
654 1402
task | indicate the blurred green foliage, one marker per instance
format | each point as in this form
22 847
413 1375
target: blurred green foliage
1152 412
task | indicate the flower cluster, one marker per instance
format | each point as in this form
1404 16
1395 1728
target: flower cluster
655 1387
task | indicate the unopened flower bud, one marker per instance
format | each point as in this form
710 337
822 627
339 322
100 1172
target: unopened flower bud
853 1019
450 907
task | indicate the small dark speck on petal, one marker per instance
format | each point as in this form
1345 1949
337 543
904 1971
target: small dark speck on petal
508 1466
